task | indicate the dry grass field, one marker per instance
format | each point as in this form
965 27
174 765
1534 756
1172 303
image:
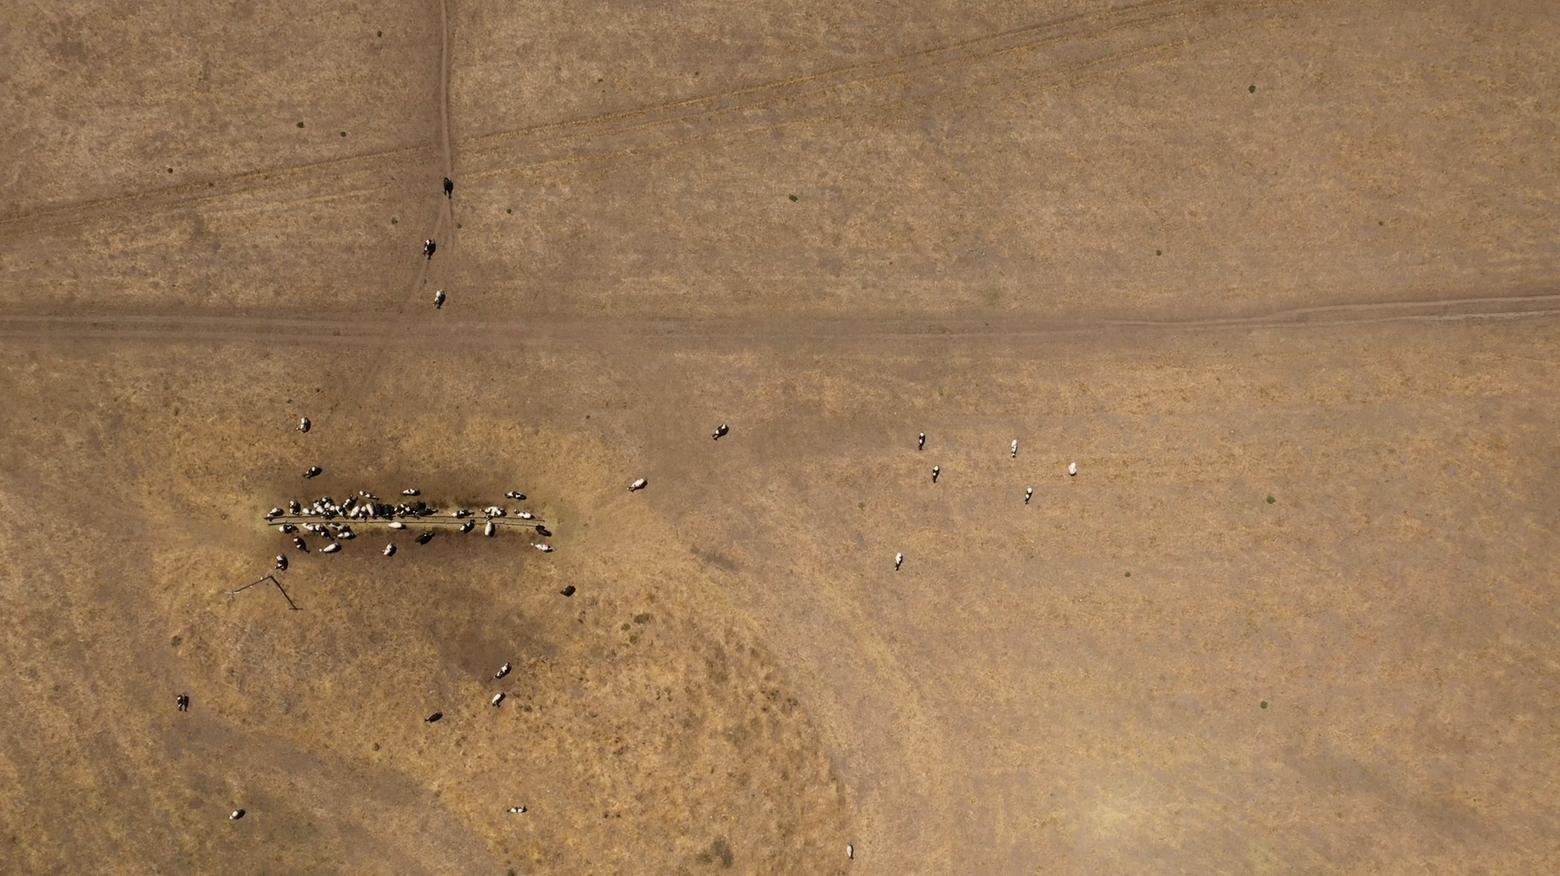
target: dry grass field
1282 278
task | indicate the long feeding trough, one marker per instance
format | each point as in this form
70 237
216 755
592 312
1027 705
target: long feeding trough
327 518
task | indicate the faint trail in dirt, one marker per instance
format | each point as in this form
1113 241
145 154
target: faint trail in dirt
543 330
762 100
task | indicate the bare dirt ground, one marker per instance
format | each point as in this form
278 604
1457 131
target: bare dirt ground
1281 277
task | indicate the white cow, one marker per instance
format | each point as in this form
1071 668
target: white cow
1014 448
303 424
1072 469
638 485
1029 493
488 529
526 515
389 550
438 300
497 700
502 670
517 810
330 548
543 547
396 524
899 560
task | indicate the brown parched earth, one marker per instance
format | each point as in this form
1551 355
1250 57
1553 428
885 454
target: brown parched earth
1282 278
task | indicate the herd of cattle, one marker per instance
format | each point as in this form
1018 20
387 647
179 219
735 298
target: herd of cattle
332 521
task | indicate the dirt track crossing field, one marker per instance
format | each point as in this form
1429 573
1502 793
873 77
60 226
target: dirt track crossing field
1280 277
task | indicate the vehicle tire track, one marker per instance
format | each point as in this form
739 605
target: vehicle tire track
542 330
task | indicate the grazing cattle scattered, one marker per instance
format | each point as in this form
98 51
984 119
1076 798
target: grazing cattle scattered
1029 493
516 495
936 470
638 485
300 544
287 529
461 513
303 424
488 529
1072 469
497 700
274 512
466 527
920 442
502 670
236 815
1014 448
436 716
330 548
517 810
526 515
542 530
850 851
313 471
493 511
449 187
425 536
396 524
899 560
293 507
281 562
389 550
429 248
438 300
720 431
411 492
182 701
544 547
567 591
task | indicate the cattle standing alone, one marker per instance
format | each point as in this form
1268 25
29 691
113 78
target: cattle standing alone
720 431
1014 448
438 300
543 547
389 550
638 485
1029 493
236 814
449 187
1072 469
497 700
429 248
434 718
313 471
330 548
920 442
303 424
502 670
182 701
517 810
899 560
936 471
